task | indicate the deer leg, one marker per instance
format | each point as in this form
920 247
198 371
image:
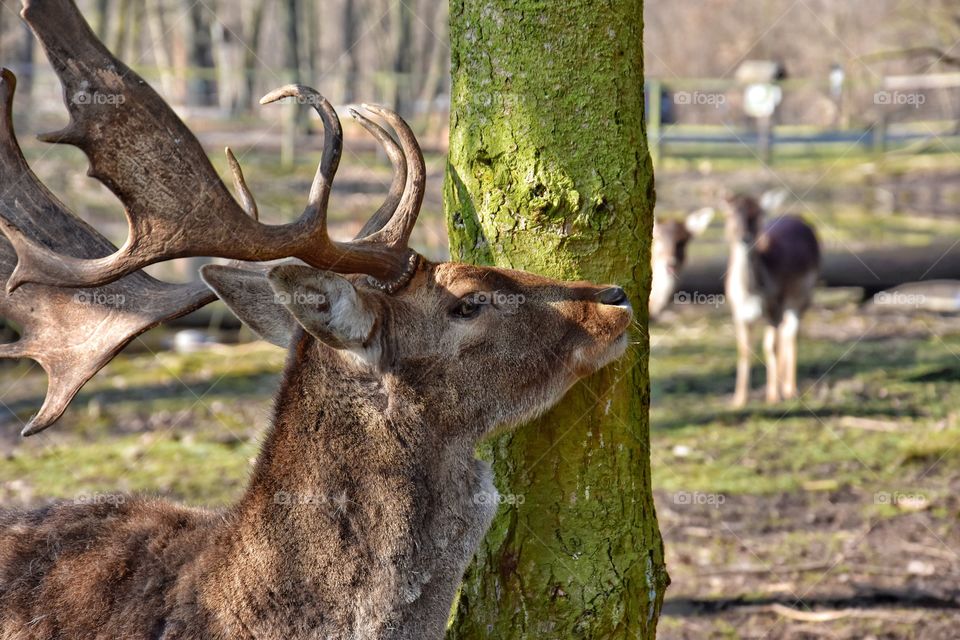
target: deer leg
789 329
742 389
783 363
773 370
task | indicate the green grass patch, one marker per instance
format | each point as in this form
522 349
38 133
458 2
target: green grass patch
876 412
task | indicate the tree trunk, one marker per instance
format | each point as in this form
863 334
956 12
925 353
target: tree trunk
253 22
101 19
27 63
401 26
134 43
435 55
201 88
549 172
294 119
154 11
310 42
291 39
118 27
350 53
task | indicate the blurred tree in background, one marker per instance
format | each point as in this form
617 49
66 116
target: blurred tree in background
549 172
220 56
227 54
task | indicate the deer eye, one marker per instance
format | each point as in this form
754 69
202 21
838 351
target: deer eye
466 308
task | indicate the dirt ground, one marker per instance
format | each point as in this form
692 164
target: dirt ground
807 565
831 517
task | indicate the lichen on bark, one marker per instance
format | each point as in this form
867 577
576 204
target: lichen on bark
549 172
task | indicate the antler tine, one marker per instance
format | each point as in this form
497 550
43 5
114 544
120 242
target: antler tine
396 232
316 210
397 184
247 200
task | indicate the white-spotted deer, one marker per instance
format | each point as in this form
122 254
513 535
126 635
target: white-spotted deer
668 254
361 512
771 275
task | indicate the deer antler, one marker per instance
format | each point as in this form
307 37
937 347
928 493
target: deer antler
176 206
63 329
145 155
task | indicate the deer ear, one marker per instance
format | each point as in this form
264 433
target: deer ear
249 295
772 200
325 304
698 221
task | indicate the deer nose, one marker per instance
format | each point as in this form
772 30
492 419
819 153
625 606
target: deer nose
613 296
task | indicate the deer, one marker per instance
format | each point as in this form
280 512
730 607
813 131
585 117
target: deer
771 275
361 511
668 254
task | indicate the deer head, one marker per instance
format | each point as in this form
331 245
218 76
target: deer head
669 252
744 218
510 343
372 300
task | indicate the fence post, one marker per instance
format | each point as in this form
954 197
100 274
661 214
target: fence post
879 139
765 139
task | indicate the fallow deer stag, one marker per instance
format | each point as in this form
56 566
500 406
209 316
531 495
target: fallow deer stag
360 515
771 275
668 253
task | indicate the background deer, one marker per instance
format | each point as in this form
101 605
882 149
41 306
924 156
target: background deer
668 254
366 501
771 274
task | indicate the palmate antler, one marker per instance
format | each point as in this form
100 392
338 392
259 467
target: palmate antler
176 206
63 329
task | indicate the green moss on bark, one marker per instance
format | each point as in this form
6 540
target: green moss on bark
549 172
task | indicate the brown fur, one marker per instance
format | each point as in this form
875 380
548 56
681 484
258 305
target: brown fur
362 511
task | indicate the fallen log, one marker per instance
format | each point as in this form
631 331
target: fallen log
872 270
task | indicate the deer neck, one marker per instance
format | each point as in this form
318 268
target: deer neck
663 283
354 493
743 278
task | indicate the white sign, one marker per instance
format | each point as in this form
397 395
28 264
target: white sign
761 100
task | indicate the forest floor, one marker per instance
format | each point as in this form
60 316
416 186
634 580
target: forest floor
831 516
